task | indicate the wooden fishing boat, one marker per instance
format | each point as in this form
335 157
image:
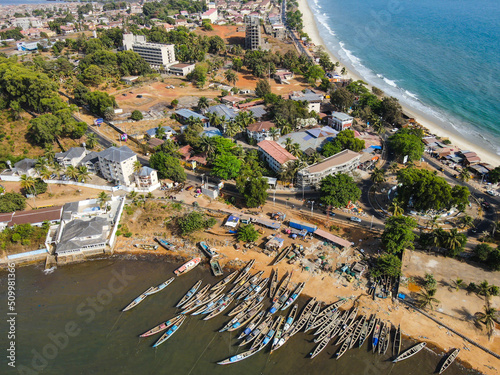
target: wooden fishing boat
259 339
138 300
161 327
282 286
291 317
365 330
170 332
347 333
256 289
322 323
225 304
252 324
376 336
189 294
326 311
286 336
357 331
312 317
279 332
246 317
167 245
396 345
304 316
188 266
226 280
410 352
240 307
257 331
209 251
162 286
146 247
382 337
197 298
238 357
244 271
212 305
294 296
267 338
327 330
216 267
387 340
273 284
449 360
249 289
282 255
344 347
205 303
341 324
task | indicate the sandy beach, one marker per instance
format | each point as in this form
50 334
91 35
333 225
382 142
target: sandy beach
458 141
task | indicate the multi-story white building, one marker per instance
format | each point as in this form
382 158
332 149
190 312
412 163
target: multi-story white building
340 121
155 54
146 178
211 15
260 131
313 100
117 164
71 157
276 156
342 162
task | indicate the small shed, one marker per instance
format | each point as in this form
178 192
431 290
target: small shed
274 244
232 221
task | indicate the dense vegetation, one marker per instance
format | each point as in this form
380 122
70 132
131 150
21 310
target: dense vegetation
10 202
338 190
194 221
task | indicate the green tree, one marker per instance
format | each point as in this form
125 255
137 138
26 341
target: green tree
10 202
387 265
395 208
255 191
44 129
203 103
430 282
344 140
193 222
237 64
99 101
72 172
426 299
83 173
398 234
262 88
487 317
28 184
391 111
174 103
167 166
494 175
378 175
198 75
464 174
136 115
103 199
226 166
338 190
482 252
454 242
247 233
91 140
404 142
230 76
342 99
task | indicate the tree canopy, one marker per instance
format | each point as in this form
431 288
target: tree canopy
255 191
338 190
406 142
398 234
194 221
247 233
167 166
387 265
344 140
226 166
10 202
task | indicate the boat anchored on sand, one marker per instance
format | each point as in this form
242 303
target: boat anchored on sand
410 352
188 266
449 360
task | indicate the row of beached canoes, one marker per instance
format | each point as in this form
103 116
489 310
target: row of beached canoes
259 327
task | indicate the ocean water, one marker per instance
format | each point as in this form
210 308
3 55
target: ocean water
441 58
69 322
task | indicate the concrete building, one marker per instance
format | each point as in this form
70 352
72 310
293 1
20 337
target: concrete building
25 166
91 161
147 178
261 131
313 139
117 165
340 121
71 157
252 33
276 156
313 100
155 54
210 14
27 22
181 69
342 162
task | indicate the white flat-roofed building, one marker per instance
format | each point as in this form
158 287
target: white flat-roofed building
181 69
276 156
117 164
155 54
342 162
340 121
147 178
261 131
211 15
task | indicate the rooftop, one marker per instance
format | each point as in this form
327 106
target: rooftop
277 152
222 110
117 154
73 152
341 158
260 126
32 216
341 116
187 113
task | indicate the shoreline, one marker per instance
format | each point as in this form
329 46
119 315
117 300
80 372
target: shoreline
487 156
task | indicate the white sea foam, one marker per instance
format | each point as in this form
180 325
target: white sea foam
50 270
414 96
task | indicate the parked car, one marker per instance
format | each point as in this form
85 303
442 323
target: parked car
355 219
491 192
139 96
329 213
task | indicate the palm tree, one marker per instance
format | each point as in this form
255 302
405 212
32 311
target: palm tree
394 167
295 150
395 208
314 158
343 71
83 173
132 195
203 103
72 172
28 184
232 129
378 175
437 237
487 317
244 119
207 145
160 132
91 140
231 76
274 133
137 166
433 222
452 241
487 290
41 164
466 221
458 283
103 198
45 175
49 153
58 168
214 119
464 174
426 299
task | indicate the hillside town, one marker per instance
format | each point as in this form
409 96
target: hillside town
221 122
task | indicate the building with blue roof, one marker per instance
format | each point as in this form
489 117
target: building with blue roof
184 114
223 110
314 138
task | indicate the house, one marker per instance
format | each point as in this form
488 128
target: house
117 164
185 114
314 138
283 75
33 217
341 162
275 155
147 178
91 162
71 157
181 69
155 142
82 236
155 54
313 100
223 111
25 166
340 121
262 131
258 111
231 99
169 132
210 15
